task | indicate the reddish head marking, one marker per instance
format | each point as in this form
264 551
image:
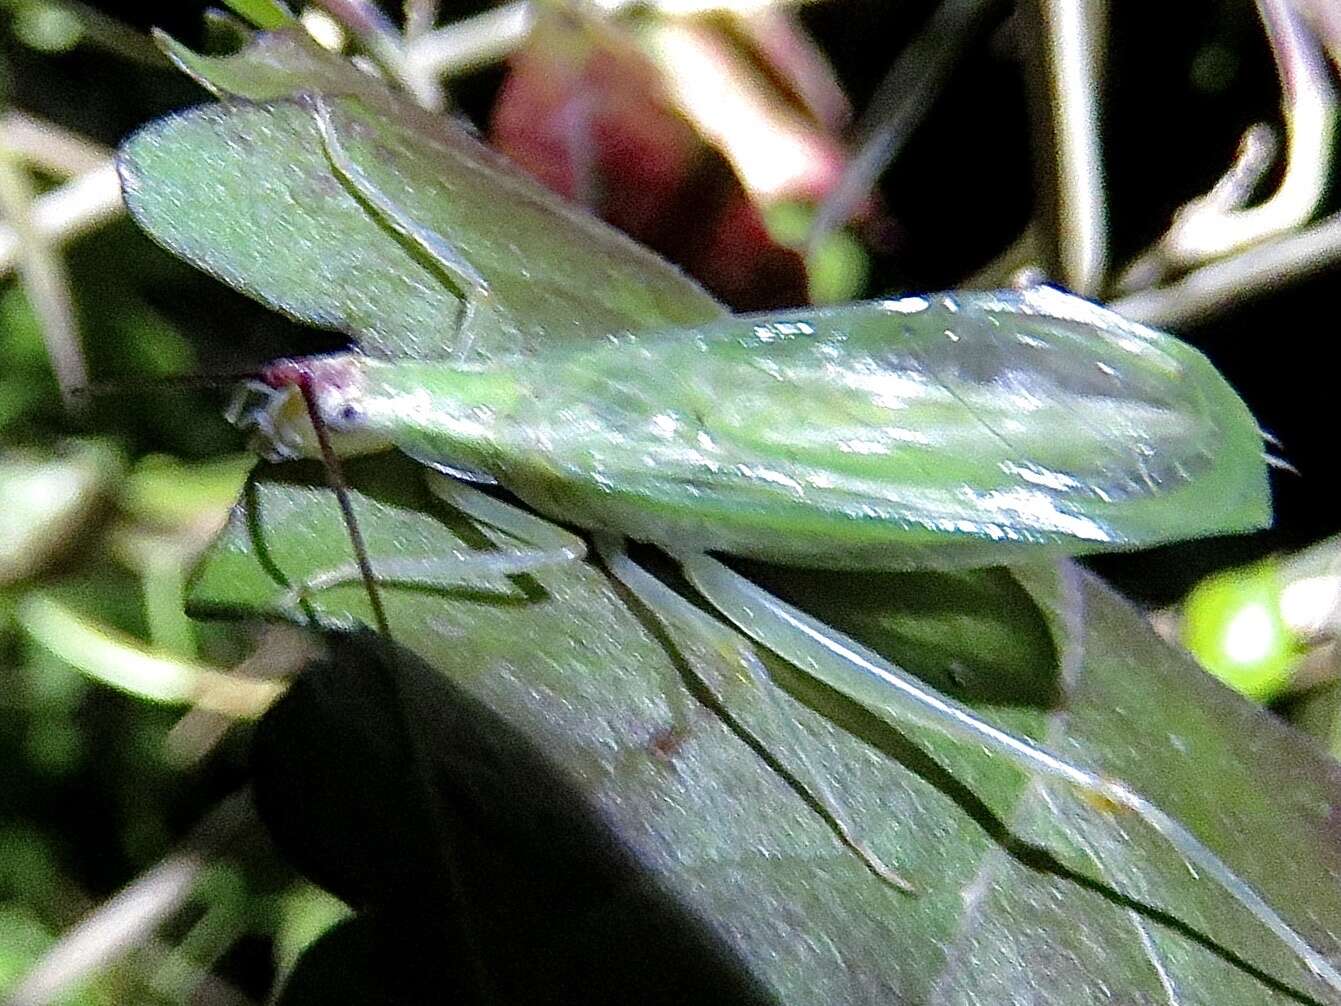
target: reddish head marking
309 373
283 373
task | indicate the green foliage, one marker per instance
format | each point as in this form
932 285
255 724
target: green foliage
1232 624
102 513
635 821
267 14
196 183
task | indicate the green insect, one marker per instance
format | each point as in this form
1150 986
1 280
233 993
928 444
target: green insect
948 431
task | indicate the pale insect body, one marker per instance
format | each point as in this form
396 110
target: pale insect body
959 431
1189 437
955 431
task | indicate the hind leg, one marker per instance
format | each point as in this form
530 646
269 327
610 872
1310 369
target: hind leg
695 631
898 697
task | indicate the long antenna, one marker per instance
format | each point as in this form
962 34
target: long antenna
445 826
131 385
335 474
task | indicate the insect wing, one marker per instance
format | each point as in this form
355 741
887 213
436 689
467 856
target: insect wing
947 431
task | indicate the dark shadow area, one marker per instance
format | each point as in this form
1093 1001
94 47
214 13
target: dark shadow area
545 882
974 634
528 872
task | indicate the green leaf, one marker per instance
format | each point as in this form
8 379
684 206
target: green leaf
263 13
1021 891
247 193
281 64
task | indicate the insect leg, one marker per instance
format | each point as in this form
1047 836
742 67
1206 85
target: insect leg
480 571
485 571
698 627
869 679
472 287
335 475
519 523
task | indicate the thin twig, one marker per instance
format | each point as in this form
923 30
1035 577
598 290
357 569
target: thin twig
114 36
1325 17
44 281
483 39
49 147
1221 285
472 42
420 17
1064 64
1220 223
379 39
125 921
64 213
901 102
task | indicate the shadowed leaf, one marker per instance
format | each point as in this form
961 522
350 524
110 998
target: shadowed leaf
1013 880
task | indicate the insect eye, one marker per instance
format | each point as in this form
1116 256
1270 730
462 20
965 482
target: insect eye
348 414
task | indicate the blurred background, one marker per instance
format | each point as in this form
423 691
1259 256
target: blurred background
826 151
